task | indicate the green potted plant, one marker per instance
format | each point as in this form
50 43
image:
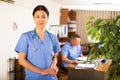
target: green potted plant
106 33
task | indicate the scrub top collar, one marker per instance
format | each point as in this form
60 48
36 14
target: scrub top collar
35 34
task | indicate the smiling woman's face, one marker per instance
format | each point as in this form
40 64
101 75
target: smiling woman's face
40 18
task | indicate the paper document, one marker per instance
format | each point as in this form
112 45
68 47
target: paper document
82 58
85 66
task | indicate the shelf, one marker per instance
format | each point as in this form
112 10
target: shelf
64 39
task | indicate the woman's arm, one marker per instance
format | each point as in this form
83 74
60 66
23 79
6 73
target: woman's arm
22 61
54 63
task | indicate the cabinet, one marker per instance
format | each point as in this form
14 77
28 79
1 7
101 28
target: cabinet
72 15
65 17
19 71
16 71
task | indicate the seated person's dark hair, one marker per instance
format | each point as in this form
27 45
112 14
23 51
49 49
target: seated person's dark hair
74 36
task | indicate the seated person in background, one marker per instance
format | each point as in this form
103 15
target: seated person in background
71 50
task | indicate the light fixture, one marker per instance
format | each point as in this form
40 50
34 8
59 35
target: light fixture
108 3
9 1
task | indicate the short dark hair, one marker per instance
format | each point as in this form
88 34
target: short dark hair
40 7
74 36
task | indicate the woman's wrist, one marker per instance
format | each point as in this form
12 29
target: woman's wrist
44 72
53 64
41 72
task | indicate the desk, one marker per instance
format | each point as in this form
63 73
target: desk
88 74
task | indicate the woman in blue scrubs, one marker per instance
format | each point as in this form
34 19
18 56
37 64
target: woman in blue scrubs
38 49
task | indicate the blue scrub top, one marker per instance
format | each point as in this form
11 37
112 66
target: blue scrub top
71 52
39 53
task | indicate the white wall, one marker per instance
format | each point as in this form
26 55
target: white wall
22 15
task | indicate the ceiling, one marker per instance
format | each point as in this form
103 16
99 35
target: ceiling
88 2
75 4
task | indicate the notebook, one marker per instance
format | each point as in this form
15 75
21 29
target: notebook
82 58
83 66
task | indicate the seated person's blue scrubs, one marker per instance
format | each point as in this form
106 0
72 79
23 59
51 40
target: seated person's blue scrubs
39 53
71 52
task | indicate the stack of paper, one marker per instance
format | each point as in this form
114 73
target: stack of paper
92 66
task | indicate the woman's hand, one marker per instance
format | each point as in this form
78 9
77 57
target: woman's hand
54 68
48 71
22 61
